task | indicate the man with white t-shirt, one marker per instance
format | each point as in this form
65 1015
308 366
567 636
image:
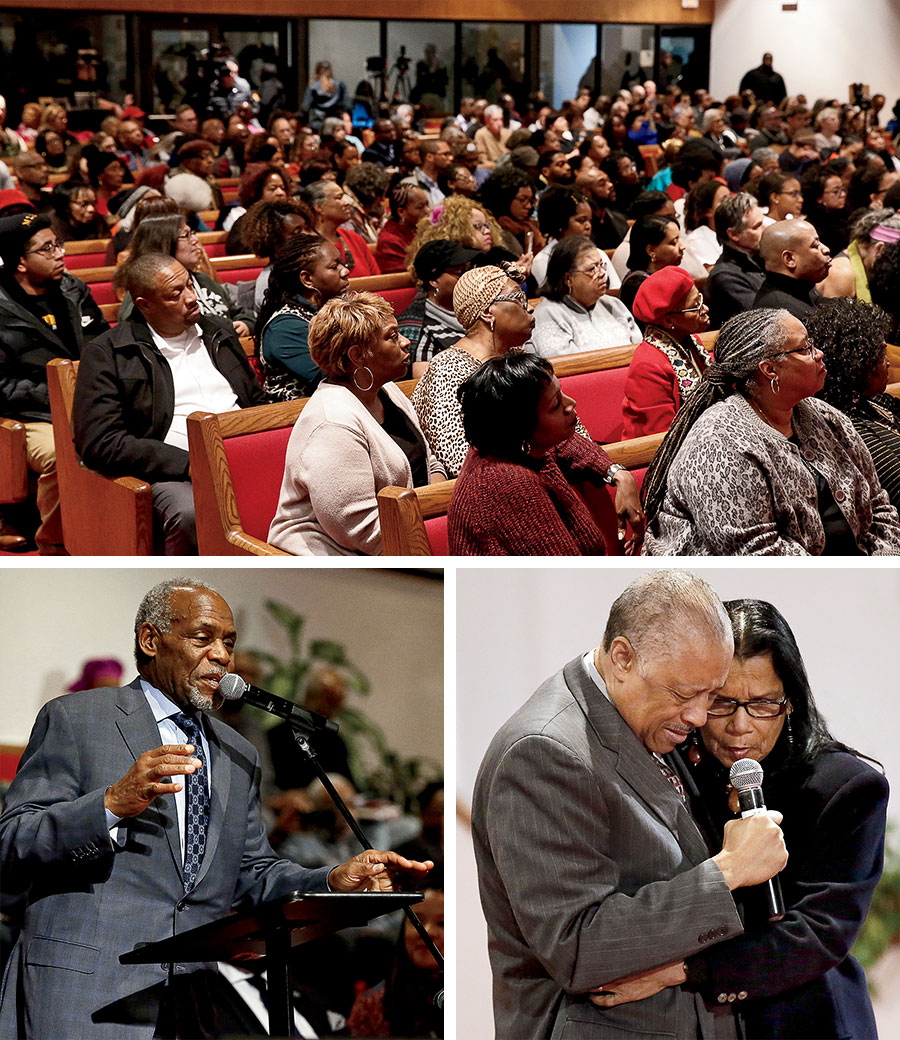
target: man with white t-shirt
138 383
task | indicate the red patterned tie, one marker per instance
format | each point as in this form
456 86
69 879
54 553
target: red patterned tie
669 773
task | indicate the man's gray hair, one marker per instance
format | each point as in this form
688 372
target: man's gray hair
156 609
660 611
493 110
732 213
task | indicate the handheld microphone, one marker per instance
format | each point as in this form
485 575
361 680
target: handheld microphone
232 687
746 778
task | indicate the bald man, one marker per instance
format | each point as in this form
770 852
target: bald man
795 260
139 382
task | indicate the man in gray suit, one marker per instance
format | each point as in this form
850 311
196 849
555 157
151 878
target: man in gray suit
132 819
590 866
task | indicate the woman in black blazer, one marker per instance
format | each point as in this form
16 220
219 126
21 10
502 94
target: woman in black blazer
793 979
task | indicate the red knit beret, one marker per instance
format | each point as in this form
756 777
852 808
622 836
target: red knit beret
661 293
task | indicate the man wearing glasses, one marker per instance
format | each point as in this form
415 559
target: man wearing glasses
795 261
45 313
590 866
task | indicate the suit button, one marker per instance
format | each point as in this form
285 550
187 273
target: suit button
731 997
742 995
179 907
722 998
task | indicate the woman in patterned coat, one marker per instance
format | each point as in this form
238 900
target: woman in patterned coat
755 465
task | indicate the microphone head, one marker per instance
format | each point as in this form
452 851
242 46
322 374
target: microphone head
232 686
744 774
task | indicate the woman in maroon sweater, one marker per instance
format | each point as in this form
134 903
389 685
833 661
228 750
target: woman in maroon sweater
531 485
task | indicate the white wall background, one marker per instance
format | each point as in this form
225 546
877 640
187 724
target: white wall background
517 627
819 49
391 623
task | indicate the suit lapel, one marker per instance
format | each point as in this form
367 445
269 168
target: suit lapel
140 733
635 765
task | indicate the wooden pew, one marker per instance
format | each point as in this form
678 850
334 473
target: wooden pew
100 516
13 468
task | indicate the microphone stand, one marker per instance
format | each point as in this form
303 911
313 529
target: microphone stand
301 737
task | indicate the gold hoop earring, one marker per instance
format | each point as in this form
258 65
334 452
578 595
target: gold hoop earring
364 389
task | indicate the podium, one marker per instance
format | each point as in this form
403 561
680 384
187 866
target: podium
272 930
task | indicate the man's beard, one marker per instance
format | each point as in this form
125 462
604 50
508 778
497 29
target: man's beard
203 701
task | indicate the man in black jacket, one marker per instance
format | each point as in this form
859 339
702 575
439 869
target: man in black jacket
795 261
737 275
45 313
138 383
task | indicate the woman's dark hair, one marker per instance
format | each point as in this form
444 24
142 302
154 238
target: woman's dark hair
650 231
698 204
695 157
863 184
400 196
556 207
771 183
813 183
260 149
884 286
299 253
759 628
254 180
851 334
500 403
562 260
501 188
152 235
647 204
63 193
263 226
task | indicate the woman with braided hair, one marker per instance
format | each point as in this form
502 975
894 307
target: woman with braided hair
755 465
308 271
408 205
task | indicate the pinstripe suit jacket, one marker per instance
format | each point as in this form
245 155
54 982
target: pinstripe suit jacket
89 902
590 868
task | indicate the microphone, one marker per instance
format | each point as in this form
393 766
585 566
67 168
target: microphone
746 778
232 687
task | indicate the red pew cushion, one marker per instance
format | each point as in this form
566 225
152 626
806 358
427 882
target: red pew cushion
256 461
598 399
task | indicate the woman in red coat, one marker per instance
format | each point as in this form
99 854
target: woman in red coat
671 359
409 204
331 209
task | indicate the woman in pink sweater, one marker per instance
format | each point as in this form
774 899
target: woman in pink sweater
531 485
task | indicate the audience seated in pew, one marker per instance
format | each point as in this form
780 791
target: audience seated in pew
76 217
357 434
138 383
576 315
261 182
851 336
44 313
701 245
670 360
564 211
755 465
171 235
408 205
307 273
531 485
268 226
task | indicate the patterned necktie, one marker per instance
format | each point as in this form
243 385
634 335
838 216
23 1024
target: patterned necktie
196 804
669 773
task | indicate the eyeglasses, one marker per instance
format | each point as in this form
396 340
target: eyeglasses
481 227
187 234
810 349
690 310
797 193
761 709
47 249
835 191
514 297
594 271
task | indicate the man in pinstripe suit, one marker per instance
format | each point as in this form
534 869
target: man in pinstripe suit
590 866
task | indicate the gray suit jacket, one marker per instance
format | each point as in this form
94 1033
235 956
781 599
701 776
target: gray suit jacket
590 869
90 901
